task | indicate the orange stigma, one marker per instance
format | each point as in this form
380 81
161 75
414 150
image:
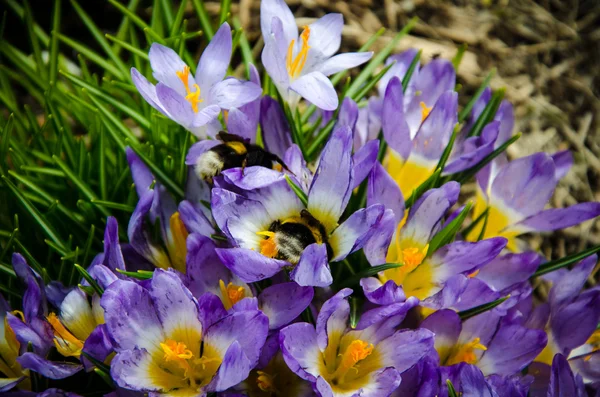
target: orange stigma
424 111
413 257
265 382
268 246
193 97
231 293
466 353
293 65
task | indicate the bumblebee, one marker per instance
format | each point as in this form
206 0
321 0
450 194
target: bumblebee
234 152
286 240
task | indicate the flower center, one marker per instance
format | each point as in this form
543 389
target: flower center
466 353
231 294
66 343
413 256
357 351
425 111
193 97
295 65
196 371
265 382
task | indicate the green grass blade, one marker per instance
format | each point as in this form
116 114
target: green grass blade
124 27
447 234
35 44
379 59
167 12
467 314
81 185
128 47
372 271
178 18
564 262
467 109
53 58
138 117
92 56
36 215
204 18
224 11
299 192
100 39
20 11
137 21
488 113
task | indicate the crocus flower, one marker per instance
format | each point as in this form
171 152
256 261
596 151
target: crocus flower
176 221
486 341
168 342
424 274
570 317
195 102
31 326
272 229
341 361
516 198
282 302
299 65
273 377
10 369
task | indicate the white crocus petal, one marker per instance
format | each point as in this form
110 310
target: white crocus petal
345 61
76 314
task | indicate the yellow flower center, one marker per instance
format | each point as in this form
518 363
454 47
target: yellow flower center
268 246
357 351
196 371
193 97
265 382
413 256
231 294
66 343
466 353
425 111
295 65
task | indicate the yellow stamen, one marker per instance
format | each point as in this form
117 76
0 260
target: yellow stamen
293 65
474 274
66 343
413 257
265 382
268 247
425 111
465 353
231 294
175 351
357 350
193 97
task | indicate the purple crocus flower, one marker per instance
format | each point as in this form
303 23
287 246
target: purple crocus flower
423 274
281 303
493 345
341 361
272 229
10 369
32 326
169 342
299 65
570 317
195 103
273 377
176 221
516 198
